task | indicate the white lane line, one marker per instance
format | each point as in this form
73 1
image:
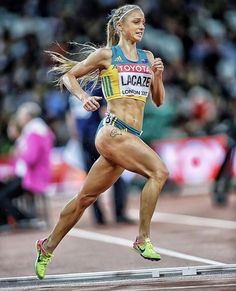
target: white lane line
128 243
187 220
192 287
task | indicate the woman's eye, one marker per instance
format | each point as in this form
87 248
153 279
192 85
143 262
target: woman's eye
138 22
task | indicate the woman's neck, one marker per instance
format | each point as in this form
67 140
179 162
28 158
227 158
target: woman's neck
129 49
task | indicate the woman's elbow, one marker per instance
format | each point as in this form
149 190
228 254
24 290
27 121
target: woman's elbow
158 104
65 78
159 101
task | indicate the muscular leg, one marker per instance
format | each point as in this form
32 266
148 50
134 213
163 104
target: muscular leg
90 156
133 154
148 201
101 176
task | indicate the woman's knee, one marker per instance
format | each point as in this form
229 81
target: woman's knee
85 200
77 205
160 174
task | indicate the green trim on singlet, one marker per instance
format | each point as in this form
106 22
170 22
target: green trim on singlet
109 85
104 86
119 124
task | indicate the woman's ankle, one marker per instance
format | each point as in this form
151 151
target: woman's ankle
46 248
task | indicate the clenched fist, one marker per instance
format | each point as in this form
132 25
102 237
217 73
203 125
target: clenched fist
157 67
91 103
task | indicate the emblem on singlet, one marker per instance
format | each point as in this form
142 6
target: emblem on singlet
118 59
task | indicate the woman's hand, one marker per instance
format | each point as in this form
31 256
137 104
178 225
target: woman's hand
91 103
157 67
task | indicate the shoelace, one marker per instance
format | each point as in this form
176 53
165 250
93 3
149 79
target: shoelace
150 245
45 259
147 243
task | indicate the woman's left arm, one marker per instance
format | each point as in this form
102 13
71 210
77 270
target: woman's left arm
157 88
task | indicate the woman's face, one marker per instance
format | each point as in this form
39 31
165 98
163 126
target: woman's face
22 117
132 26
13 131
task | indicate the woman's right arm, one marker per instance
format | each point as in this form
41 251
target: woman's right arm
97 60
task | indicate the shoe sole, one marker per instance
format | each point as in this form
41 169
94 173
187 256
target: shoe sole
150 259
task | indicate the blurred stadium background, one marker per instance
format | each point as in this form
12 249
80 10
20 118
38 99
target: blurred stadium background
192 131
195 39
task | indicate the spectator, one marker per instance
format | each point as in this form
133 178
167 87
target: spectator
32 160
199 51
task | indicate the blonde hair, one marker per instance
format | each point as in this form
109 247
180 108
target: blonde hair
65 64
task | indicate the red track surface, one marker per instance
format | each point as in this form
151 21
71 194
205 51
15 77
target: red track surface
77 255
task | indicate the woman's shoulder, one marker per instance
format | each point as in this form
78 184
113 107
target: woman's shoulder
104 53
149 55
103 57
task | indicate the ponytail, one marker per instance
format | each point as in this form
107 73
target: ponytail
65 64
112 35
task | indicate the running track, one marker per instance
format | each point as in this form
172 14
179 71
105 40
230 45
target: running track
187 230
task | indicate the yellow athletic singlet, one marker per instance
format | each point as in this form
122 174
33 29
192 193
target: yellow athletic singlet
125 78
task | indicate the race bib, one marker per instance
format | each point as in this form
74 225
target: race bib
134 79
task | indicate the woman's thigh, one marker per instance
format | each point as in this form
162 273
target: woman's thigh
129 152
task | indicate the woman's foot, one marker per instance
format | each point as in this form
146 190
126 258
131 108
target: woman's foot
146 249
43 259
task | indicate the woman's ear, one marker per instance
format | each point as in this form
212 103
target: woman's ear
118 27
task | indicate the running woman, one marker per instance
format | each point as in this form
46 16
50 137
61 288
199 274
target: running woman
128 76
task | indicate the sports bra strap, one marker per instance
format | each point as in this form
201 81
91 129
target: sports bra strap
115 51
143 56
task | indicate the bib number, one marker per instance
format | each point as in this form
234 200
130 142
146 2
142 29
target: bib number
134 79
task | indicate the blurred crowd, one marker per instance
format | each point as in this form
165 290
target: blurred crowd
196 40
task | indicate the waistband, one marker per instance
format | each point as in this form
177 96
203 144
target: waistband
115 121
